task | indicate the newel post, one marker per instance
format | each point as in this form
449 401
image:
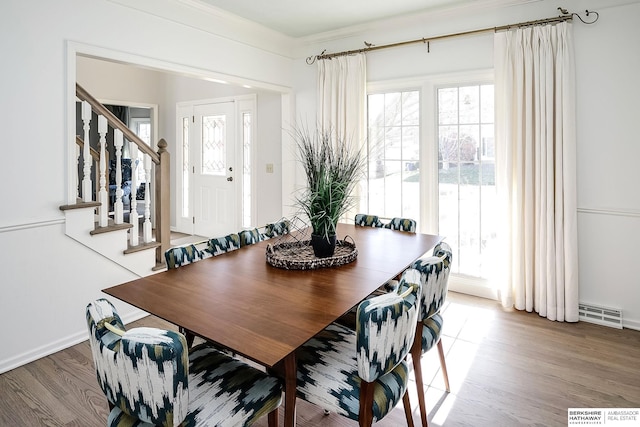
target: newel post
163 201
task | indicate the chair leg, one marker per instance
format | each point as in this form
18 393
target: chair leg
365 416
443 365
272 418
407 409
417 371
188 335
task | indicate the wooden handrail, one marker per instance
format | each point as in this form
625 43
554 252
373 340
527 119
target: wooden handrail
94 153
83 95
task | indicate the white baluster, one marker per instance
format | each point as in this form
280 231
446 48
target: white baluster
104 208
118 209
133 215
87 191
76 172
146 229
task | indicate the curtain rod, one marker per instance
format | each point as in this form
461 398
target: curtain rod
566 16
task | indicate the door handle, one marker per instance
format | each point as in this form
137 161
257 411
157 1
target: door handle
230 178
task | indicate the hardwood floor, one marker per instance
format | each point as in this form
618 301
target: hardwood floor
506 368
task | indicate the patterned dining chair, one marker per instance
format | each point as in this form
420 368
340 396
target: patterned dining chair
183 255
151 379
402 224
221 245
250 237
434 272
275 229
365 220
397 224
362 374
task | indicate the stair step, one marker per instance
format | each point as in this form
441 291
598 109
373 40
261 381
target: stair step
159 266
80 205
142 247
112 226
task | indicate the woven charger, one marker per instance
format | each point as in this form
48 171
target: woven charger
298 255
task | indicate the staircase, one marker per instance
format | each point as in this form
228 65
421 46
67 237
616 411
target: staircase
95 218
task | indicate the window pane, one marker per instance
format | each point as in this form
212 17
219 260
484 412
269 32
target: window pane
468 145
185 167
467 177
392 143
448 106
448 143
410 108
214 145
392 110
393 187
246 169
469 104
394 155
487 142
411 143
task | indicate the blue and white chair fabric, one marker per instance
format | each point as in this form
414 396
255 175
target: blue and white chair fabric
340 367
221 245
434 271
151 379
365 220
250 237
402 224
275 229
183 255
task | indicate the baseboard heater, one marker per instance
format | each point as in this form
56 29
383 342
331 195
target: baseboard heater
604 316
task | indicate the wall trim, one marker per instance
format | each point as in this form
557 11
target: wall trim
58 345
611 211
35 224
630 324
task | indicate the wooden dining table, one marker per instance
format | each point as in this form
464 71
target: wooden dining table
239 301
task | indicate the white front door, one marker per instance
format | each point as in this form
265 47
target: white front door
213 164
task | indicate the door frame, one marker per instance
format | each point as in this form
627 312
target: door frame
241 103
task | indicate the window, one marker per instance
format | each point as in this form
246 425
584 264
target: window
142 128
466 175
247 137
186 168
394 154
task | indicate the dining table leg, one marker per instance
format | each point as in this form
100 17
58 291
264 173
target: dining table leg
290 385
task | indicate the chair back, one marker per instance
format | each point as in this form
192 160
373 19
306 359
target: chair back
402 224
434 272
385 328
221 245
182 255
277 228
143 372
249 237
365 220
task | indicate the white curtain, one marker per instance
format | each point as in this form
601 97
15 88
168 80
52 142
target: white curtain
536 170
342 100
342 96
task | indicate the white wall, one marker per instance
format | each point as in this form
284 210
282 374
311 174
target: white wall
607 60
48 278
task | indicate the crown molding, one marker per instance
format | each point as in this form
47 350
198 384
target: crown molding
410 19
201 16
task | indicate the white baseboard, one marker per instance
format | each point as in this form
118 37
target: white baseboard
631 324
61 344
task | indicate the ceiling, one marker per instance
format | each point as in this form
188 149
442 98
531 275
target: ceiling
300 18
